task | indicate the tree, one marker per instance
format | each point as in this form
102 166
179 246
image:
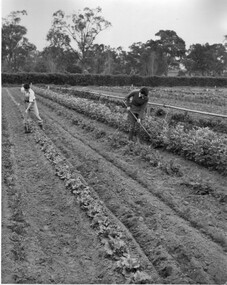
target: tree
206 59
120 61
172 46
106 60
196 60
77 32
57 59
147 59
154 59
15 46
96 58
225 41
217 59
39 63
134 58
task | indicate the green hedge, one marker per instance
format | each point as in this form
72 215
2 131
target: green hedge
110 80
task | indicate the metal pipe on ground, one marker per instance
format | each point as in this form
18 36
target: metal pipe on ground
164 105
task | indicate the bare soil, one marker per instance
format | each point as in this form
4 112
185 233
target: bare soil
176 229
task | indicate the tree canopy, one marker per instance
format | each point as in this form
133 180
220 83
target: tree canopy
206 59
71 48
77 31
15 46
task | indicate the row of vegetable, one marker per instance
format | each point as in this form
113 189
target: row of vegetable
204 96
110 234
200 145
118 140
192 120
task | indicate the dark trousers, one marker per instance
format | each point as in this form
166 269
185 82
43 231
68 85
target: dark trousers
134 127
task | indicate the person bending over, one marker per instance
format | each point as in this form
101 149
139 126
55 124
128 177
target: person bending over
31 104
136 102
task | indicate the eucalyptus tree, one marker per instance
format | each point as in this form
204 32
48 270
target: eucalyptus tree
173 47
77 32
15 46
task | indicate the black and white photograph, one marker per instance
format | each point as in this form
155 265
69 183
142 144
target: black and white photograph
114 142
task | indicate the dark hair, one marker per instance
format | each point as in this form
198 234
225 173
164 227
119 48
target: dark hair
144 91
26 86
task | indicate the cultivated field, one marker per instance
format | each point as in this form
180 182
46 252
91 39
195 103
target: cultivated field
81 204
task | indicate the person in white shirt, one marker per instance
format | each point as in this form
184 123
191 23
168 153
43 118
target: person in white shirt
31 105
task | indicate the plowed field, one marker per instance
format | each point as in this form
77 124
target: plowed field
137 223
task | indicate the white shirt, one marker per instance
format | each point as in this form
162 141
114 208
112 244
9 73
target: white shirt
30 93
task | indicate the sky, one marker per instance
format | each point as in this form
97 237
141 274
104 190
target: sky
132 21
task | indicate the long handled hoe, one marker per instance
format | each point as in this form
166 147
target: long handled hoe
139 122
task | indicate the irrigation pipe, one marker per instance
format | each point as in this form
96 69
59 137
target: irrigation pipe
188 110
164 105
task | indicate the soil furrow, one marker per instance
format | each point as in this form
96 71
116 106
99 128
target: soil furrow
140 177
50 238
179 252
129 211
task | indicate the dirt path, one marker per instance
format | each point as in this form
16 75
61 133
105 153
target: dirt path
179 234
